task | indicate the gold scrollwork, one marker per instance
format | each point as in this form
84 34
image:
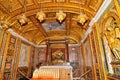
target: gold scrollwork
112 34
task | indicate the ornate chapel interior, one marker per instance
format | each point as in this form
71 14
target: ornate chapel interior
59 39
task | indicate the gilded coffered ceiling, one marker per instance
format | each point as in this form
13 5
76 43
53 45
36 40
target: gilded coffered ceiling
50 29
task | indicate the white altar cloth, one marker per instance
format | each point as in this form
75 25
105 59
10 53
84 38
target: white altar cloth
60 72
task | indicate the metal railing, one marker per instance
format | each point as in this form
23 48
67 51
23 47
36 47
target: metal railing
23 74
78 78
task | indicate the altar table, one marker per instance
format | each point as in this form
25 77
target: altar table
53 73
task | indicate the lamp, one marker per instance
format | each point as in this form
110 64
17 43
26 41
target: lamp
40 15
22 19
60 16
82 18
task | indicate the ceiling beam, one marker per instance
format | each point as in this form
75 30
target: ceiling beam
38 25
27 28
68 23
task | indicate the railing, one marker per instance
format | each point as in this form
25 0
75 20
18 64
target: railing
78 78
23 74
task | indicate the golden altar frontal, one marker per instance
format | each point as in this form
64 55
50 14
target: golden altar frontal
53 73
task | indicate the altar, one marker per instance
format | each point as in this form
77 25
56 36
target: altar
53 73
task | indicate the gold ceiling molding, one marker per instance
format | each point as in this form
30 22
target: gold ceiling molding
31 10
36 32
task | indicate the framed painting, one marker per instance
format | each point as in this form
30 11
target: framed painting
57 55
42 54
24 55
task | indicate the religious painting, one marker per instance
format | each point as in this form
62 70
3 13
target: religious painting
53 26
2 47
42 54
24 55
58 55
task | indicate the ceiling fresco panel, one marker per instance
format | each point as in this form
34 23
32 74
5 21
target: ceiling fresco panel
53 26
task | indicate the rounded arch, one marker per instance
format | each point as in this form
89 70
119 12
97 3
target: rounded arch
105 19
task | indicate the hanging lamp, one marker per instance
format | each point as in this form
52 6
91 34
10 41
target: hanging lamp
60 15
22 19
41 15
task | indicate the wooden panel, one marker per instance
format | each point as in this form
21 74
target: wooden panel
42 54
